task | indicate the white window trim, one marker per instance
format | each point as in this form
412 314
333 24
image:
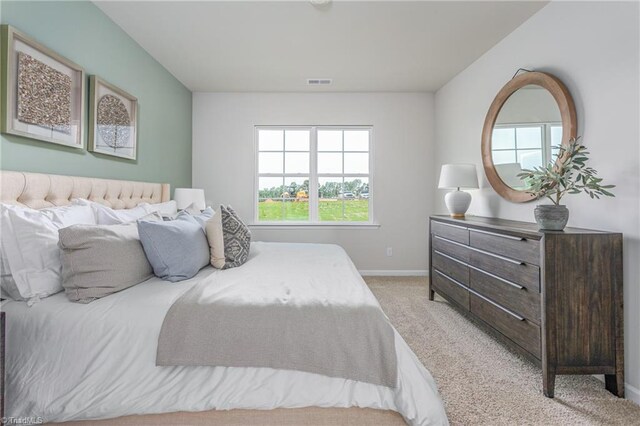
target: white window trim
546 137
318 225
313 221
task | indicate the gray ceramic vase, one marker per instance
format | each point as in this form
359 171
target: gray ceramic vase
551 217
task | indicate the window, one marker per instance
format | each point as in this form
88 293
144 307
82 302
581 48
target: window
313 174
530 145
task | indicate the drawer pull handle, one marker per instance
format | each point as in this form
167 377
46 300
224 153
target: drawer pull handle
450 257
502 308
451 241
497 256
506 259
495 234
518 286
456 282
451 225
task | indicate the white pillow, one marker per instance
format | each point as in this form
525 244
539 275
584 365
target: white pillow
8 286
61 215
108 216
29 243
168 209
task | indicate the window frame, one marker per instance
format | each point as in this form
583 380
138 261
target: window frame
547 150
314 220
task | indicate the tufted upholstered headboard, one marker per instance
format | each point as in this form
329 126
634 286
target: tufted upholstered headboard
38 191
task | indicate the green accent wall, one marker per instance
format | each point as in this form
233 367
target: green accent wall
80 31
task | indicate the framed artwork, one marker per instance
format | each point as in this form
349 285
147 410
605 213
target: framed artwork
43 93
112 120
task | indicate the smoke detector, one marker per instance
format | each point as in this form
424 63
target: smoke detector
319 81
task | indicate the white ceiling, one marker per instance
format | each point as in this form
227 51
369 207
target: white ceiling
276 46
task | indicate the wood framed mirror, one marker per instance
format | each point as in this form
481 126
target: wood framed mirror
530 115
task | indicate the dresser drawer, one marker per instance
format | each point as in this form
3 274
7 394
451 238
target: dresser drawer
455 233
452 267
512 296
450 289
525 333
518 248
451 248
513 270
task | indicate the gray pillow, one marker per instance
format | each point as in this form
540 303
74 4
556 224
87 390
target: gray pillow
98 260
236 236
176 249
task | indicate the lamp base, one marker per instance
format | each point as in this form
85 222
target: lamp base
457 202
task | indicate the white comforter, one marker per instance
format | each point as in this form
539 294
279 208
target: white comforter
69 361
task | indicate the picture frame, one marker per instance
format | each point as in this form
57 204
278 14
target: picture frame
43 93
113 114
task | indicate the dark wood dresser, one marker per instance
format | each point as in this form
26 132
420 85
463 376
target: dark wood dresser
555 297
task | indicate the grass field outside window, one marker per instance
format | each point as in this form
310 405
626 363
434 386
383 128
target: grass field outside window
331 210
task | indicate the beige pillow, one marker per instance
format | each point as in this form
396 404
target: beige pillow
215 238
98 260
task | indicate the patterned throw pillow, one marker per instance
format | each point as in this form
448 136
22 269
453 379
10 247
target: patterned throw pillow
236 236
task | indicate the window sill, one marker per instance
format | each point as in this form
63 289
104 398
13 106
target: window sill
302 225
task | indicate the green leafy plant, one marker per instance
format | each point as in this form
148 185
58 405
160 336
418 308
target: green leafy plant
569 174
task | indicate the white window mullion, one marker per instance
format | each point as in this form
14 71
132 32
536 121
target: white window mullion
370 177
313 177
546 144
256 180
342 190
283 210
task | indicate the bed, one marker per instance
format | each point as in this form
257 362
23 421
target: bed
69 361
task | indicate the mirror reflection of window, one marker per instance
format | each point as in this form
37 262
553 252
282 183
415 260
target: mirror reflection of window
509 174
556 138
526 129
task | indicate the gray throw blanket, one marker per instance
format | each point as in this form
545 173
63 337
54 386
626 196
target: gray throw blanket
291 306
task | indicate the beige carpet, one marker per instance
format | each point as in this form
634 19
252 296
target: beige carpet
482 382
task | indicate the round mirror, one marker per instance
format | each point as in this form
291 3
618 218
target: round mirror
528 119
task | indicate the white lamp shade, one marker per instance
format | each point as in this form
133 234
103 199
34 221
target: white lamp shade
458 176
184 197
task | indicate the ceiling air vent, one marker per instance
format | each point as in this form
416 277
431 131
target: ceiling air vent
318 81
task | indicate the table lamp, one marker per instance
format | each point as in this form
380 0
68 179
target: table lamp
456 176
189 198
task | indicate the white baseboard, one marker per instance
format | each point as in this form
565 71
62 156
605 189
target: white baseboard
394 272
632 393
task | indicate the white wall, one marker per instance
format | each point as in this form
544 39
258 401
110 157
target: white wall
529 106
223 164
594 48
